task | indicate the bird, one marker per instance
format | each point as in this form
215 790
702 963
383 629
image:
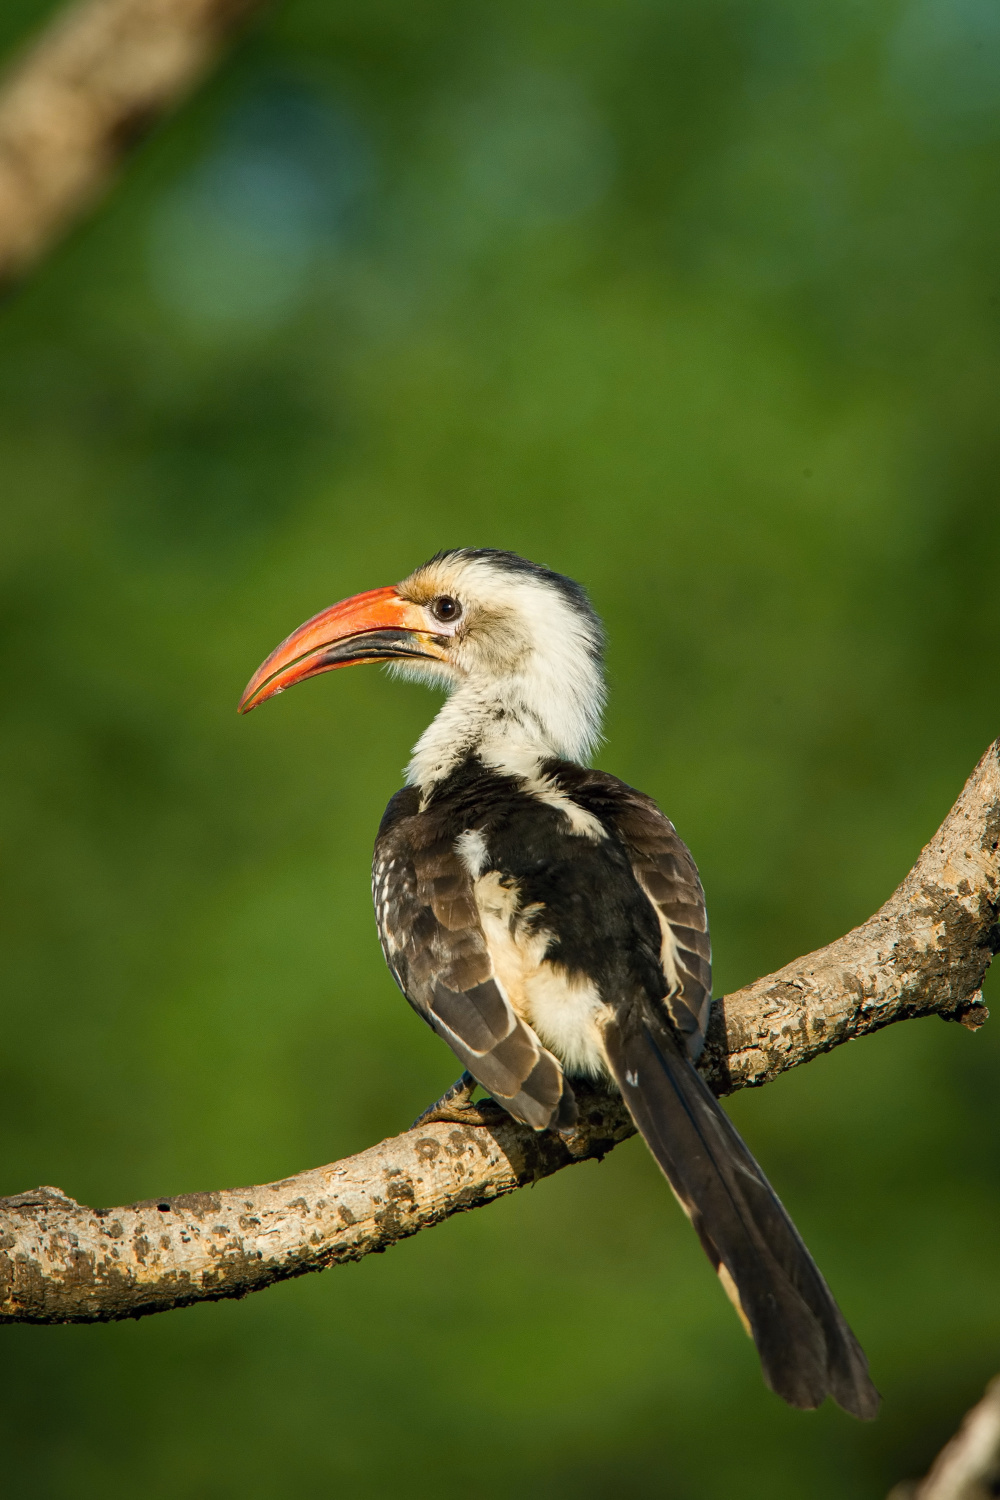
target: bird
549 923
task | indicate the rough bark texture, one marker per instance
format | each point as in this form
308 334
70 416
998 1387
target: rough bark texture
98 78
926 951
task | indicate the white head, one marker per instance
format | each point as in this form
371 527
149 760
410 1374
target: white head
518 648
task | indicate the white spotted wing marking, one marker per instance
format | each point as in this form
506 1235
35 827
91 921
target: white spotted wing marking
382 870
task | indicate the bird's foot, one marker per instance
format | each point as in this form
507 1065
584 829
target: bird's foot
455 1105
566 1121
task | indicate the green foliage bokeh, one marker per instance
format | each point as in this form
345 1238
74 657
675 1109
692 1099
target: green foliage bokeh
698 302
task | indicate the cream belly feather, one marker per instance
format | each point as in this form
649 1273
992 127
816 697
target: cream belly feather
566 1013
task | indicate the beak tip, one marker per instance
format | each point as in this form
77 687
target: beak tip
253 697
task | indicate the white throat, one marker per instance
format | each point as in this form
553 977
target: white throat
512 723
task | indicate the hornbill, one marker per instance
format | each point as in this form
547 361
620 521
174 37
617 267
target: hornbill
548 922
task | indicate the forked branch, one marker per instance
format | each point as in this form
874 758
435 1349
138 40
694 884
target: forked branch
925 952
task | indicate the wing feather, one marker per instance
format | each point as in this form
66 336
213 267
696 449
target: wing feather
663 867
437 952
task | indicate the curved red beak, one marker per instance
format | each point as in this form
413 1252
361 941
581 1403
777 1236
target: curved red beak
375 626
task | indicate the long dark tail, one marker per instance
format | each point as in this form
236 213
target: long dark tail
806 1349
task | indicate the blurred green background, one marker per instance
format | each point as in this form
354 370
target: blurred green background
698 302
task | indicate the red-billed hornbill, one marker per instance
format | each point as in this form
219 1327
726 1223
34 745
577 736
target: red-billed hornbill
549 924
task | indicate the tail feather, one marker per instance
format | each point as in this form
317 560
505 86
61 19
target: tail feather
806 1348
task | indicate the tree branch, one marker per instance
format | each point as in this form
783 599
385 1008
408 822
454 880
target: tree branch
925 952
968 1467
98 78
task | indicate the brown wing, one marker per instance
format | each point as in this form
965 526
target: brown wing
664 868
436 951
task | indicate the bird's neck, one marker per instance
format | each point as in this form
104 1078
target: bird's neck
511 725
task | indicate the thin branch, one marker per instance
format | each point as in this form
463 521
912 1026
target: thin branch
96 80
968 1467
925 952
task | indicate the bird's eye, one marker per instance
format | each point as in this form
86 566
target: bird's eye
445 607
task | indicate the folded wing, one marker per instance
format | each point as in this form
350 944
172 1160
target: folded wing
664 869
436 951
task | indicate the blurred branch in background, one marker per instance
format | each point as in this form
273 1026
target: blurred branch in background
98 78
967 1468
926 951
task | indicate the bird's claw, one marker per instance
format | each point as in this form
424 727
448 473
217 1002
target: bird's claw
455 1106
